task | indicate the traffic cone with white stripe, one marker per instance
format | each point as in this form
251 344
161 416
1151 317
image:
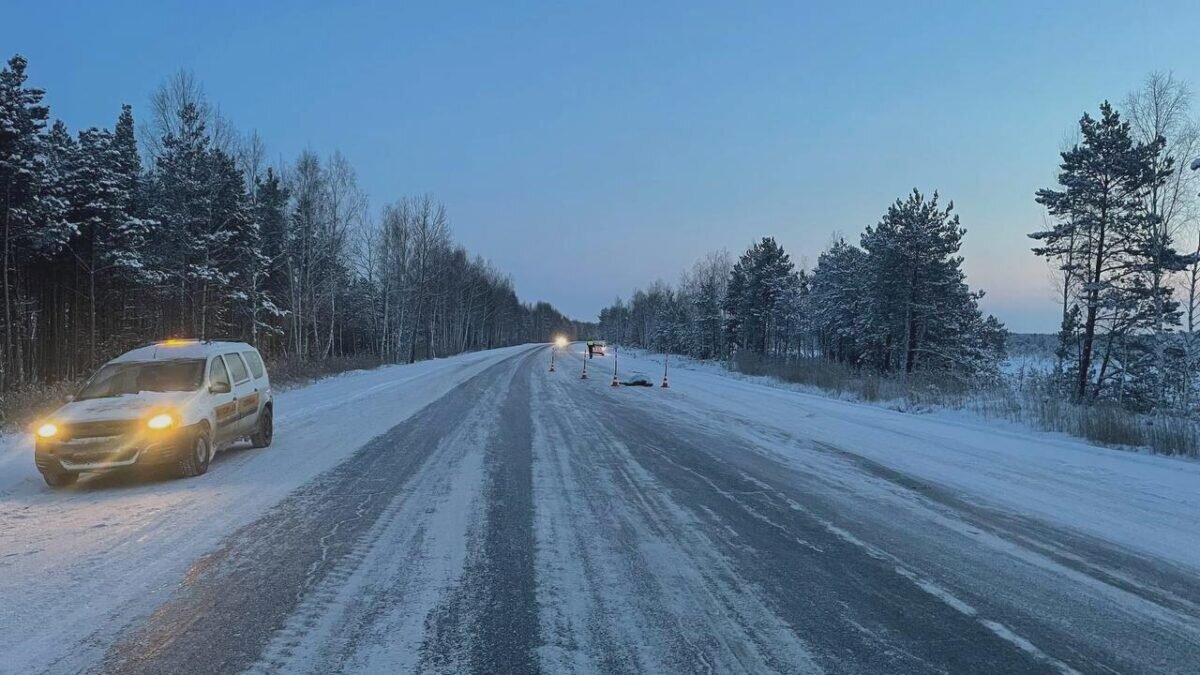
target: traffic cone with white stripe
665 384
614 382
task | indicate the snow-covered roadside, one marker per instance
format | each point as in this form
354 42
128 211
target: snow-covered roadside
124 544
1143 502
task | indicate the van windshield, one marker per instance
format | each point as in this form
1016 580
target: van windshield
117 379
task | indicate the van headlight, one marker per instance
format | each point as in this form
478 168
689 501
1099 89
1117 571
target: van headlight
47 430
160 422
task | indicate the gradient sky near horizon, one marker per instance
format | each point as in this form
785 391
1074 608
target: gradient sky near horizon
588 148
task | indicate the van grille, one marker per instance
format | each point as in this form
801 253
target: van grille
98 429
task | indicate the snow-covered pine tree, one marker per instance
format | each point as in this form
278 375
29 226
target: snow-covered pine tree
49 268
130 249
231 240
97 213
753 304
712 278
837 290
179 206
22 119
1112 242
131 229
919 313
54 191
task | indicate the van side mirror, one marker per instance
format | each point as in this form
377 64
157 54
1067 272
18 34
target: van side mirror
219 388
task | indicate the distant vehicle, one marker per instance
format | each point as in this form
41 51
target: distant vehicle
172 403
596 348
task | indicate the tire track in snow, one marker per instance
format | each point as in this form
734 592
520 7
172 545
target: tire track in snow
628 580
489 622
235 599
369 615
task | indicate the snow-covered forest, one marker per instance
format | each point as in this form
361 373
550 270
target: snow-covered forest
893 310
173 223
896 303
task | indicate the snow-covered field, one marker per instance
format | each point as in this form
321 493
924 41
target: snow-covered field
1026 365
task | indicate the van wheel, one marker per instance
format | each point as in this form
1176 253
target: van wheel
60 478
194 456
265 431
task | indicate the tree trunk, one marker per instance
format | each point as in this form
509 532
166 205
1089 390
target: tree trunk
1089 326
8 323
92 314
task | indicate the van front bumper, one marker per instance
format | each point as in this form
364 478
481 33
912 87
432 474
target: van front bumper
106 454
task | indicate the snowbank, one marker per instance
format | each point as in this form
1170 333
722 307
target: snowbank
1144 502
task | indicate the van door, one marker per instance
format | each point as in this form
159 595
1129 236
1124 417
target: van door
224 400
246 393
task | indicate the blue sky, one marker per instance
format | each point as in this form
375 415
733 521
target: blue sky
591 147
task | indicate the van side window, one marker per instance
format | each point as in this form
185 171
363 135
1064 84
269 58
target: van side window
217 373
236 368
255 363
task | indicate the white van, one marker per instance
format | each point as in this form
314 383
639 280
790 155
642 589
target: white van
171 403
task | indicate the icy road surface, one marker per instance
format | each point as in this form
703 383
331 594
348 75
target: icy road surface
480 514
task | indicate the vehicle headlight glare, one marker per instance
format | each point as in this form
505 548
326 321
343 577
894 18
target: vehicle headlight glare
162 421
47 430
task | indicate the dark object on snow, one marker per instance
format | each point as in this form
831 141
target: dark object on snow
638 380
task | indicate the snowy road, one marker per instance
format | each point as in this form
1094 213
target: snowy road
479 514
